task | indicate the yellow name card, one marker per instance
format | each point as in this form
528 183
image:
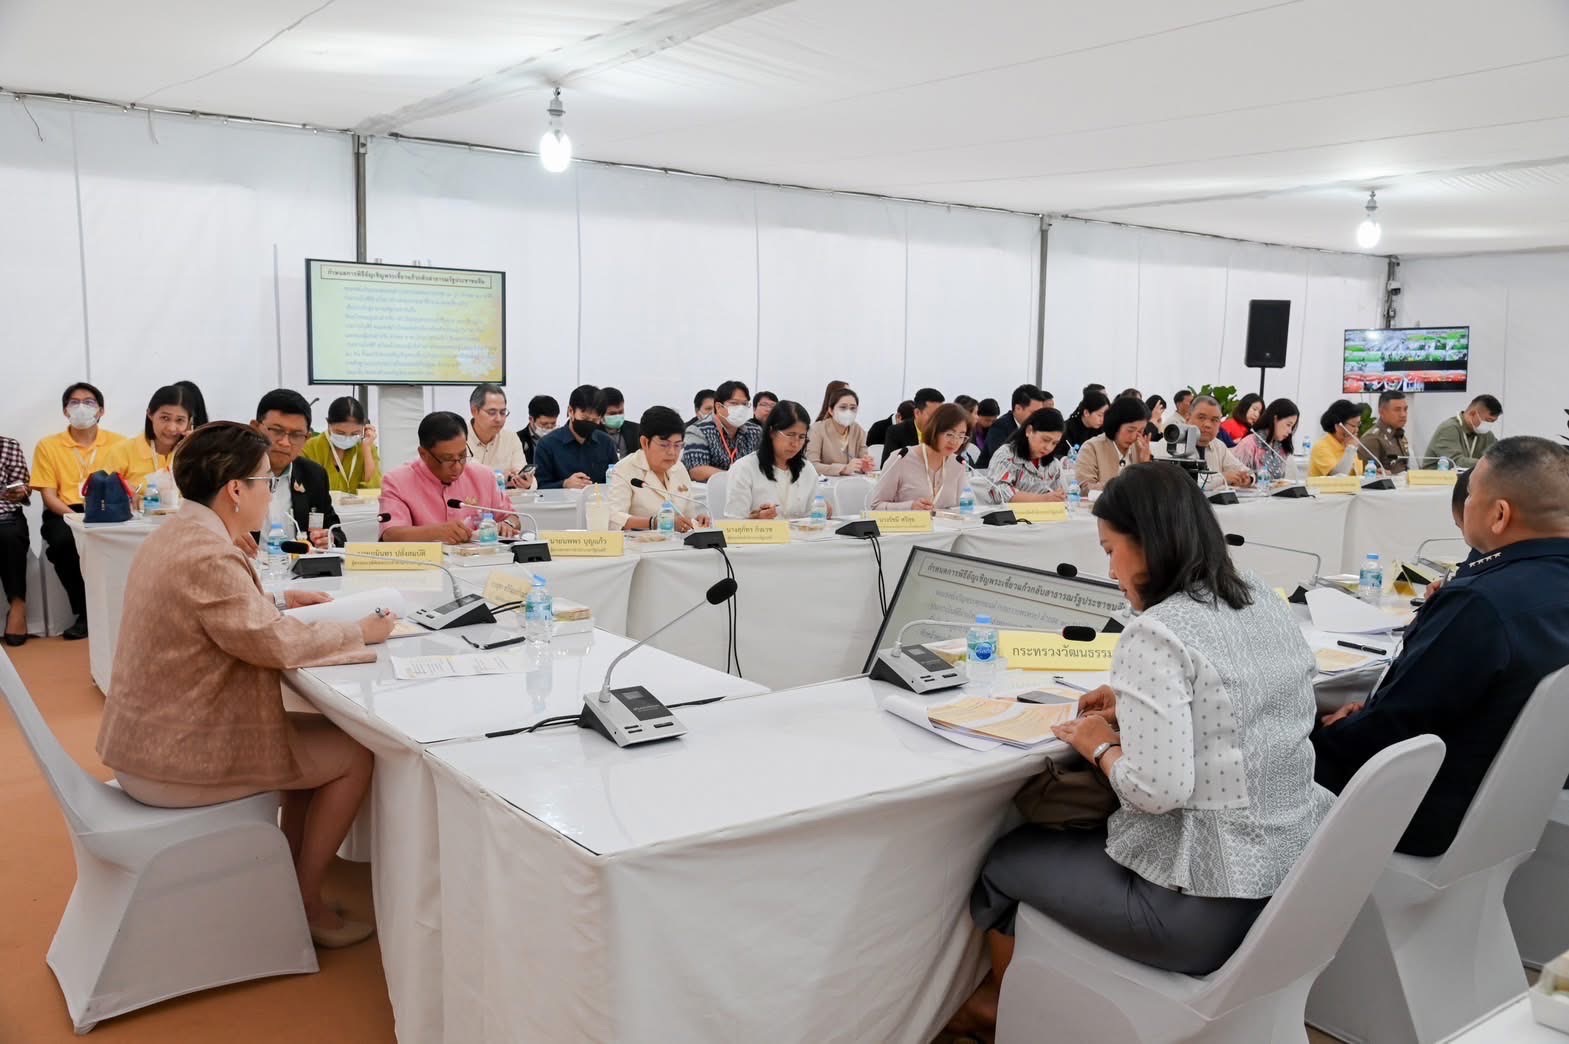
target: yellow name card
577 544
902 521
755 530
505 587
1026 651
1431 477
394 556
1335 484
1040 512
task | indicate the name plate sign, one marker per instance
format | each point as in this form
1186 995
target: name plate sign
392 556
1335 484
583 544
505 587
755 530
1431 477
1040 511
1026 651
902 521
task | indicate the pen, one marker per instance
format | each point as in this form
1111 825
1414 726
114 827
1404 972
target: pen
1060 680
1363 648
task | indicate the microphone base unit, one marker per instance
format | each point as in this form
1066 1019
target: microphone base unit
860 529
917 668
705 538
1380 483
1225 496
460 612
1292 493
530 551
1003 517
316 566
630 717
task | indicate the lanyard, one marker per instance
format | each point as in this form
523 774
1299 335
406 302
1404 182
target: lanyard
1470 444
732 453
933 480
85 462
337 460
166 464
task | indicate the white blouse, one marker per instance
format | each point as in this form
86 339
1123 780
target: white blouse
749 489
1214 707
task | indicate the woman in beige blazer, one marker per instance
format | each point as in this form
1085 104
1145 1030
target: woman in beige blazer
196 713
926 476
836 444
1122 444
657 467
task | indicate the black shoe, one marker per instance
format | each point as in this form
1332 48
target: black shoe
14 640
77 631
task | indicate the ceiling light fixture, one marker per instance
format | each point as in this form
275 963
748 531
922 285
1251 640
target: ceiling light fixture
1369 231
555 148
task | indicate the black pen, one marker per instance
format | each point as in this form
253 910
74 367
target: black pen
1363 648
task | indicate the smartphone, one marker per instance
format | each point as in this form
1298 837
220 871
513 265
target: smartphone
493 638
15 486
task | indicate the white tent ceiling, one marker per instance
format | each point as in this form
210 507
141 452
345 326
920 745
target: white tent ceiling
1261 119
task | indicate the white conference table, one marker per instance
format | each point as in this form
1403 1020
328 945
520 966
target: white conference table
396 720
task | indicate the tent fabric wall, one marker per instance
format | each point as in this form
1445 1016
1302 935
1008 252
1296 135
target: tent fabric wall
1162 310
139 252
661 284
1518 312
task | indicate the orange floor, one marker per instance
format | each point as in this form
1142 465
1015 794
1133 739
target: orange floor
346 1001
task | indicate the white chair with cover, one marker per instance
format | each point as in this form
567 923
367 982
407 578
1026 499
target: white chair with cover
167 901
851 495
1063 987
717 487
1432 951
1537 900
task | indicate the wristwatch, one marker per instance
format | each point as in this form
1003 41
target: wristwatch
1101 750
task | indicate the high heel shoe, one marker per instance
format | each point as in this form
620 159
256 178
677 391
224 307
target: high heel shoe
15 640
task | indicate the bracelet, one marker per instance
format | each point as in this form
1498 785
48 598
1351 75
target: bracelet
1105 748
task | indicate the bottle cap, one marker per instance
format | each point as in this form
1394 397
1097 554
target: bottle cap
982 618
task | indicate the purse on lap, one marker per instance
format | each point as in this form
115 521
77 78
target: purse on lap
1067 796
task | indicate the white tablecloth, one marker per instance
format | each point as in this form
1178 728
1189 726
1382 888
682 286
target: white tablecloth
1394 522
796 868
376 710
106 551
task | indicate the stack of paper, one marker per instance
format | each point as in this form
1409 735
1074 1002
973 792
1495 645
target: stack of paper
1343 614
1013 723
461 665
1332 662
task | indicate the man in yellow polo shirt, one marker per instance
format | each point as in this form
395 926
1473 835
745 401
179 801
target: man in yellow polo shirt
61 464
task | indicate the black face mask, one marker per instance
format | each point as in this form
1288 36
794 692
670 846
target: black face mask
584 429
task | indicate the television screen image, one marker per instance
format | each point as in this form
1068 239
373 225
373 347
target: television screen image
398 324
1427 358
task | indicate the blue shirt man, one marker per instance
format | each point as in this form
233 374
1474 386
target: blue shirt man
579 452
1478 648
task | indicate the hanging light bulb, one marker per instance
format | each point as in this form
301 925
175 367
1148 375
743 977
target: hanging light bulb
555 148
1369 231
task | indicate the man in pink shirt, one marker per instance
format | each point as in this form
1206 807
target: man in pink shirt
416 494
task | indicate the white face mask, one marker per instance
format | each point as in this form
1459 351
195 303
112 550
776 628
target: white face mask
735 416
1483 427
343 442
844 418
539 432
82 417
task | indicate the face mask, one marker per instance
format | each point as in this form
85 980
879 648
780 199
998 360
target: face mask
735 416
539 432
582 428
844 418
343 442
1483 427
82 417
614 421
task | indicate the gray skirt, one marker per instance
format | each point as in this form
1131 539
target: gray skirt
1068 876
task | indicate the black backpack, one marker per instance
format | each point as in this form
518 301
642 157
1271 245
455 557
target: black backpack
107 498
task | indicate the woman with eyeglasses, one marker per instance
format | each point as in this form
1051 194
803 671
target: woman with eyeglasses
347 450
776 481
926 477
196 716
660 476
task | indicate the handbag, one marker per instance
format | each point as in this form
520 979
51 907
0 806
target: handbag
106 498
1070 795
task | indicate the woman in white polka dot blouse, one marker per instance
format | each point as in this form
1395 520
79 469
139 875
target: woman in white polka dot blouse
1203 734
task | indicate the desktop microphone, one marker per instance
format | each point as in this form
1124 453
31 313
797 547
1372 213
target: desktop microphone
1299 596
633 715
640 484
921 670
1383 481
1296 490
1067 570
464 609
524 549
698 538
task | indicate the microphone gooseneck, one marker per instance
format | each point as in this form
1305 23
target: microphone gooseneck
721 592
640 484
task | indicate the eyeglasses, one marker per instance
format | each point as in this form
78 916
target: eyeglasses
668 445
91 403
791 436
953 436
497 414
276 433
452 461
271 480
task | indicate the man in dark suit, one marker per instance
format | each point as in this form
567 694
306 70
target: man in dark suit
612 408
284 418
1026 400
1478 647
877 434
908 433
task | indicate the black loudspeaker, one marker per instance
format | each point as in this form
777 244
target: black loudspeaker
1268 324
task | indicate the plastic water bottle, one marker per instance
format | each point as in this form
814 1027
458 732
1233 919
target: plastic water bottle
1370 583
981 653
1371 471
1445 464
488 532
1073 456
967 501
151 500
1307 447
1073 496
667 520
277 561
820 504
539 613
501 484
